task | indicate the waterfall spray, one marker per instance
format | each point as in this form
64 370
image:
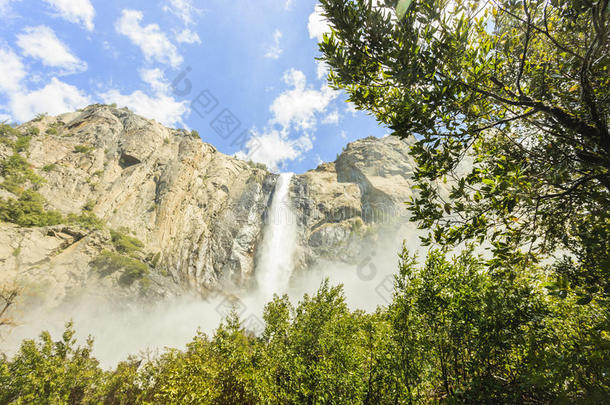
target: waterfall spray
275 263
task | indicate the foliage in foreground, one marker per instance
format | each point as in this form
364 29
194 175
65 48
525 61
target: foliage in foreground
455 332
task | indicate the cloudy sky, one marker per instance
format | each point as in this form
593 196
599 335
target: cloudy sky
243 75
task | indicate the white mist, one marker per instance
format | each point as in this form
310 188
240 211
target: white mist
276 260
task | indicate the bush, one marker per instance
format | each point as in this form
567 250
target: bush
87 220
40 116
83 149
108 263
49 168
257 165
28 210
195 134
33 131
7 133
23 143
16 172
50 372
51 131
89 206
125 243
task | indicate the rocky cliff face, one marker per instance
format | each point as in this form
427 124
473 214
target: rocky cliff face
345 205
174 213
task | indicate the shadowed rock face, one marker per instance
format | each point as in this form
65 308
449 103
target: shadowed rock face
199 213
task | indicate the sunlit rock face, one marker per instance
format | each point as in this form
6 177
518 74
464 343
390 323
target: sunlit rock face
344 206
200 214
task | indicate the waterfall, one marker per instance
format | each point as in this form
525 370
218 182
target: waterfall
275 263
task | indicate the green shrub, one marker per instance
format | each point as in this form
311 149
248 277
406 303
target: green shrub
49 168
7 133
257 165
33 131
39 117
28 210
131 269
195 134
16 172
83 149
89 206
125 243
23 143
51 131
7 130
87 220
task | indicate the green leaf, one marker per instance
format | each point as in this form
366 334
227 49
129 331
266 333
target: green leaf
584 300
402 7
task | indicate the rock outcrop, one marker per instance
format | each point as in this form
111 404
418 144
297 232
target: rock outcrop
346 204
198 213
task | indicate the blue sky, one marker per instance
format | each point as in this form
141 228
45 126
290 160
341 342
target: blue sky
243 75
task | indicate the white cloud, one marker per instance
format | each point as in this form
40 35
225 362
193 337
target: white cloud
295 109
151 40
332 118
298 106
343 134
156 80
42 43
186 36
273 148
274 51
351 108
55 98
11 71
76 11
5 6
187 12
317 24
288 4
322 69
183 9
162 106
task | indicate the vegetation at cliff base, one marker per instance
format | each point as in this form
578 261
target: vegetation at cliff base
454 332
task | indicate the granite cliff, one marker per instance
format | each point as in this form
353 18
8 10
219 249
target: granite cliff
138 209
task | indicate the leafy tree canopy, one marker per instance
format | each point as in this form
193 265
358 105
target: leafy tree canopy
517 92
